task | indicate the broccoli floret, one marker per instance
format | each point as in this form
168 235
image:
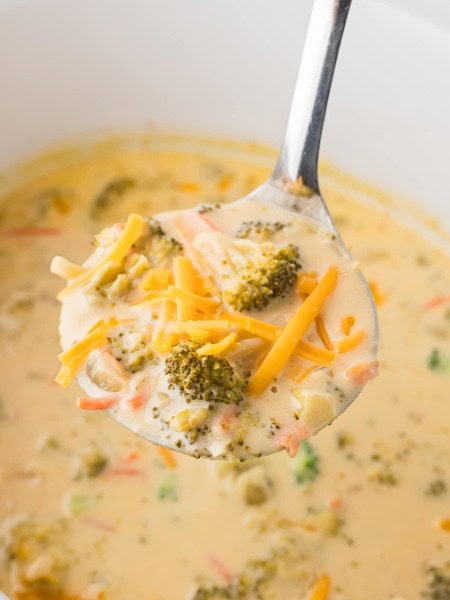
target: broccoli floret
90 462
159 247
110 195
438 583
209 378
439 361
272 279
258 579
305 466
167 489
437 487
258 230
131 349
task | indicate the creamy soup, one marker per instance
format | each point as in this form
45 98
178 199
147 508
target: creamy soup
215 333
89 510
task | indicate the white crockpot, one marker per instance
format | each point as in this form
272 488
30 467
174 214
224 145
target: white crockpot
228 67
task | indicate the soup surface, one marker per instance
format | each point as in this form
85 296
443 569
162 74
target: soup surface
88 510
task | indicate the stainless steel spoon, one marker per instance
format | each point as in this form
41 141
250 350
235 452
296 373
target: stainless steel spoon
297 165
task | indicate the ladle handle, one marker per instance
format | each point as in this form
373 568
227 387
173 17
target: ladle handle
300 150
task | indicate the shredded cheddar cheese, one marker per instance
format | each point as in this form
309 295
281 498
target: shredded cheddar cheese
65 269
156 279
84 346
347 324
64 376
291 335
218 347
74 357
351 341
205 305
184 280
323 333
378 297
133 229
270 332
321 588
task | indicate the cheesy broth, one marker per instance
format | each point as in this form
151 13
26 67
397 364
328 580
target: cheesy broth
88 510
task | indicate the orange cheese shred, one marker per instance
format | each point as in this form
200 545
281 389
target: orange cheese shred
167 456
270 332
351 341
293 332
347 324
378 297
210 349
156 279
184 275
321 588
323 333
134 227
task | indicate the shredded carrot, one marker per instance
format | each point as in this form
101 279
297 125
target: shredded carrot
437 302
137 402
219 347
167 456
184 280
445 525
347 324
323 333
335 503
363 372
378 297
189 224
321 588
29 232
131 457
123 471
100 525
221 569
351 341
292 333
291 437
96 403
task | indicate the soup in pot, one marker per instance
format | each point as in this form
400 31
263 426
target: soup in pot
88 510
